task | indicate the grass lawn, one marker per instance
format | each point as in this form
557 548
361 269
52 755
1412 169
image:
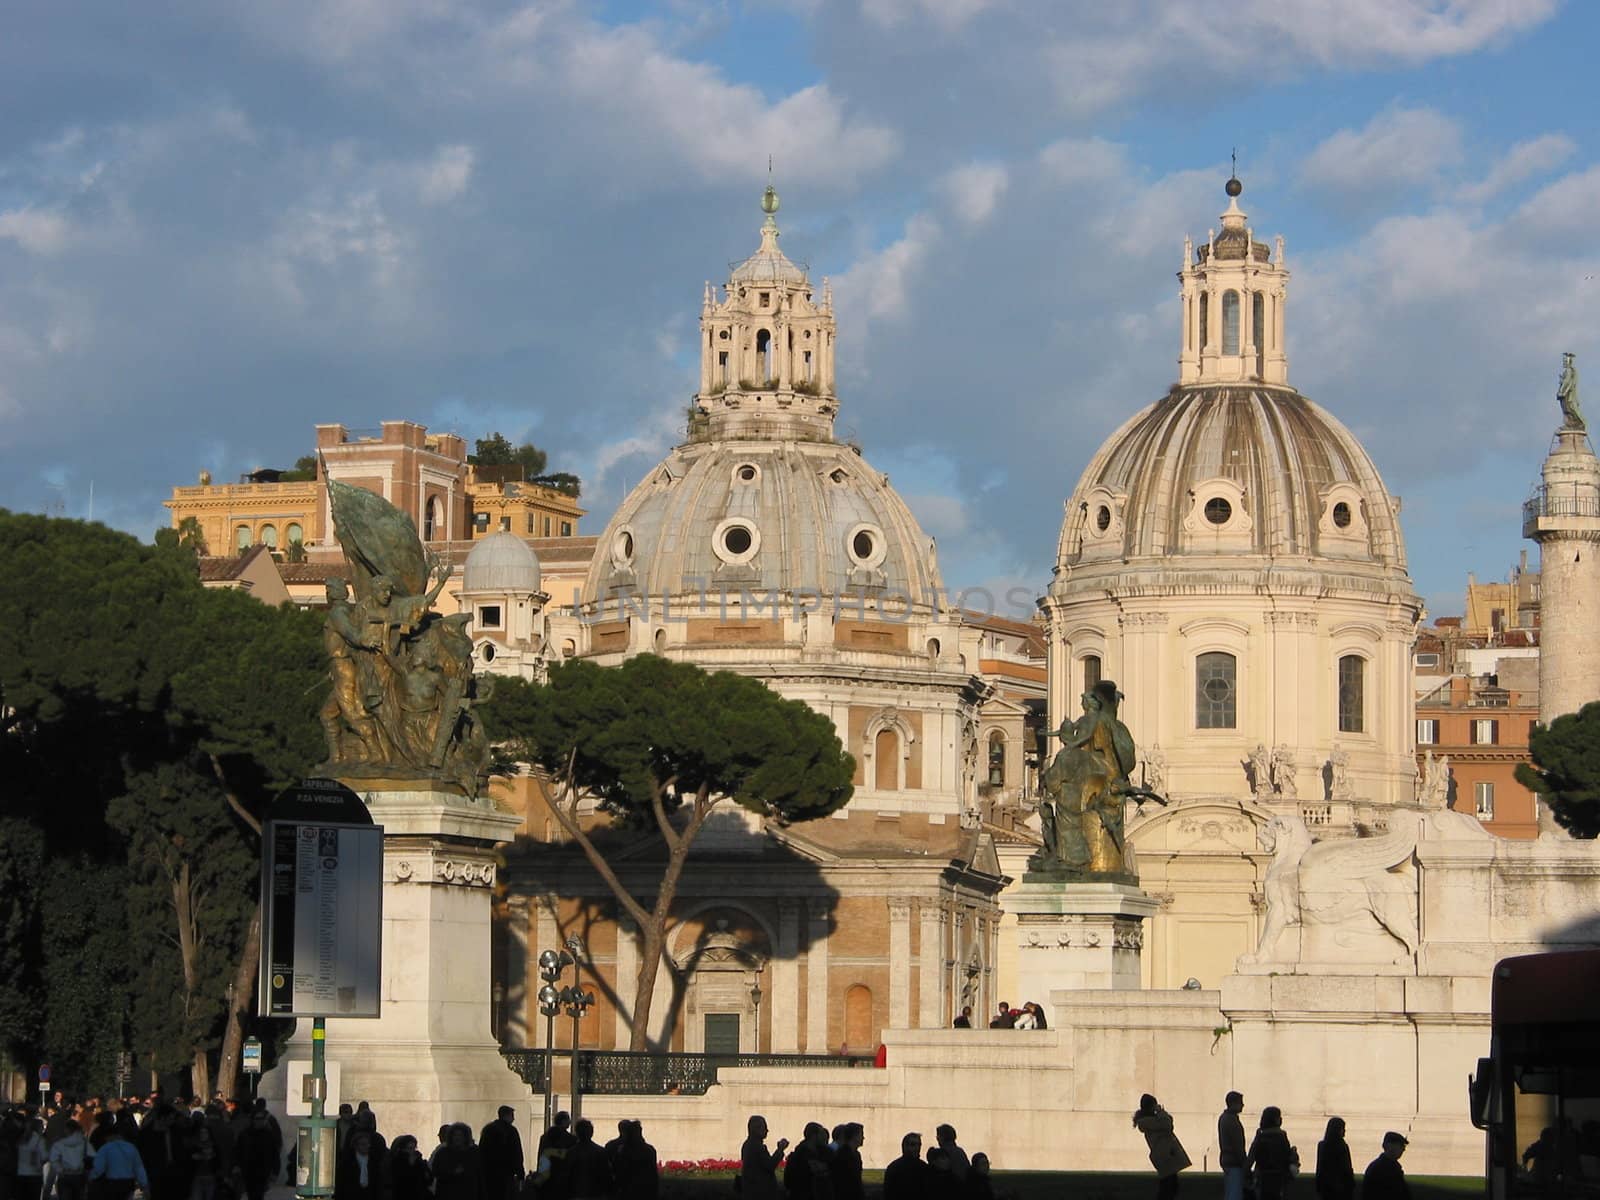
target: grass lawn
1057 1185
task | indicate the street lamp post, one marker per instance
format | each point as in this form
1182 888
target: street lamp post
577 1002
551 964
755 1003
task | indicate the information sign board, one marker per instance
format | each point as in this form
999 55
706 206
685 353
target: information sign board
321 905
251 1060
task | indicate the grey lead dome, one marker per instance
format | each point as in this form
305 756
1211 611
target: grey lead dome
501 562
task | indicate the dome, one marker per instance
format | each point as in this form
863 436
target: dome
768 265
1246 470
767 517
501 562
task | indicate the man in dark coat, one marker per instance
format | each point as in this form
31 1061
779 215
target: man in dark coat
588 1173
805 1175
501 1147
635 1171
758 1167
906 1178
1385 1179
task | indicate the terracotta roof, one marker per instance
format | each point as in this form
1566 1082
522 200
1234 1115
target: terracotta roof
219 568
313 572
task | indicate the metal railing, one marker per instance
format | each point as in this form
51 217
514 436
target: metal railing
1573 500
629 1073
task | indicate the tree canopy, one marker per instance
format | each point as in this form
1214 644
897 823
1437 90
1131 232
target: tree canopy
1566 769
657 745
144 718
496 450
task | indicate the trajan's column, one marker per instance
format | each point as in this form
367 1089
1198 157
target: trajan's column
1563 516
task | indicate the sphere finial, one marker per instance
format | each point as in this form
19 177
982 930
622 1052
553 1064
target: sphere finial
769 200
1233 187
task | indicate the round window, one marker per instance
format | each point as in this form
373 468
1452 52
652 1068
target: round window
1218 510
488 651
1102 519
862 545
723 335
1341 515
623 547
746 473
736 540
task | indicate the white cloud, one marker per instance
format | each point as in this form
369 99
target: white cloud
974 190
447 176
1401 147
1522 161
878 287
37 231
947 15
1566 207
1077 161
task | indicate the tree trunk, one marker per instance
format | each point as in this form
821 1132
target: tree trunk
655 936
189 950
240 996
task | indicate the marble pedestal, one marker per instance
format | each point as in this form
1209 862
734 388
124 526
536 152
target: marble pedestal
431 1057
1073 935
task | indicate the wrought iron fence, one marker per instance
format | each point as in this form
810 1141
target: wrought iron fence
529 1064
1559 501
626 1073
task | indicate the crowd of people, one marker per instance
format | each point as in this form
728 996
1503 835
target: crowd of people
1263 1168
826 1166
1029 1016
102 1149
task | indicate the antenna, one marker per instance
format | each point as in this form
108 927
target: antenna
1234 157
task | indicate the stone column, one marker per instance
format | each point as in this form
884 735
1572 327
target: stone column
930 975
784 1009
899 963
820 916
627 978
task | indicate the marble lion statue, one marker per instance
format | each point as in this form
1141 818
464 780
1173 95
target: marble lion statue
1344 883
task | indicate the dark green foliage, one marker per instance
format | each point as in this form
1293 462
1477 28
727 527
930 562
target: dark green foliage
1566 769
632 729
560 481
128 878
497 451
304 471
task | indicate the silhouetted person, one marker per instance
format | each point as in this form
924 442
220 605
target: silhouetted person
758 1167
979 1185
844 1168
964 1021
458 1167
1271 1156
359 1173
501 1148
906 1178
1231 1149
941 1182
255 1155
1167 1154
410 1177
805 1175
589 1174
945 1135
1336 1178
1385 1179
635 1171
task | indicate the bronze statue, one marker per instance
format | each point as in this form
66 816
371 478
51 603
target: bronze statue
1086 787
1567 395
404 694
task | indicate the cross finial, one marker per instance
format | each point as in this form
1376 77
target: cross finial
1233 156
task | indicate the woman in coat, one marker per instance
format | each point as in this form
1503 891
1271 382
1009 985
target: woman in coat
1271 1156
1167 1155
1336 1178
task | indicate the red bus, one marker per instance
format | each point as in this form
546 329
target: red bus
1537 1095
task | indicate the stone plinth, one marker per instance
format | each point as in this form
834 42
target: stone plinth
1074 935
431 1057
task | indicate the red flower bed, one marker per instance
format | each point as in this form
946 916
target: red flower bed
687 1166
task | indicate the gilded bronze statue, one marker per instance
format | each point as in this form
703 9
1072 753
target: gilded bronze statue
1086 787
404 694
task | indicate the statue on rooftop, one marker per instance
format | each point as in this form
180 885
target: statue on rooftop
1567 395
403 687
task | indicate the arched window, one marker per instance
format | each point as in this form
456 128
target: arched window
1205 314
886 761
997 759
1352 693
293 534
1230 322
764 353
269 536
1216 696
1091 671
1258 327
241 538
432 520
858 1018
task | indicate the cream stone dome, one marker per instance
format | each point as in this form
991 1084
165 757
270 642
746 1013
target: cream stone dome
501 562
1234 470
766 516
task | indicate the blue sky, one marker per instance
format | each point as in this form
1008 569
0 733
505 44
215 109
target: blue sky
221 224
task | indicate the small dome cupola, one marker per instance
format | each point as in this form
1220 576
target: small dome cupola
766 349
501 562
1233 295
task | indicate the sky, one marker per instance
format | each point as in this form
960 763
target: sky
221 224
